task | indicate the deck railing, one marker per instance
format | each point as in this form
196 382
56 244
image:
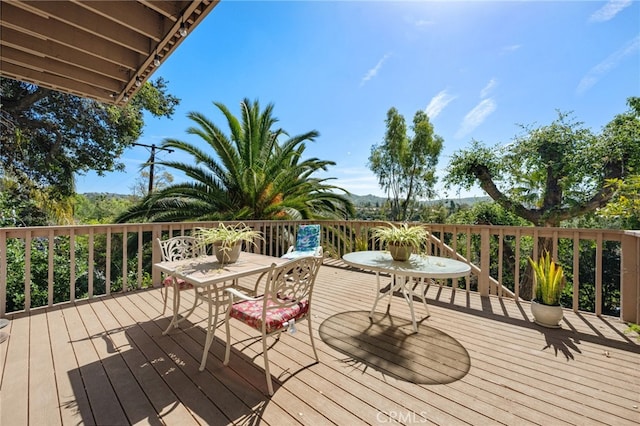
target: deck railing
61 264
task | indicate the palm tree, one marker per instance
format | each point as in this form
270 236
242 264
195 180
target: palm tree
248 174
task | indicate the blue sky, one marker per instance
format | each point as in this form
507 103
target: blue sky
479 69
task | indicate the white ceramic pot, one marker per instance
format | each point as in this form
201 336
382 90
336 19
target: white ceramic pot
545 315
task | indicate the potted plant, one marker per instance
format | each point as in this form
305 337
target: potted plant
401 240
549 281
227 240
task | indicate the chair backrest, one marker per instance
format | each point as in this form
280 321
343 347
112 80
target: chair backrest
178 248
291 284
308 238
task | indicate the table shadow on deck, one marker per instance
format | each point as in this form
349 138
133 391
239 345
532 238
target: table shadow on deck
149 377
389 345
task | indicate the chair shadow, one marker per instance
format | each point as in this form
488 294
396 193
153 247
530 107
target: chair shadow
163 375
389 345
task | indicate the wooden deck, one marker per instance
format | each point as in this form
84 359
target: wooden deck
474 361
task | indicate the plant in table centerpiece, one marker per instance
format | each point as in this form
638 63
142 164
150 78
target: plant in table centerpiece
549 282
401 240
227 240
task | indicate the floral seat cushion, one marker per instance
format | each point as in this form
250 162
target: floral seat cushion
182 284
250 312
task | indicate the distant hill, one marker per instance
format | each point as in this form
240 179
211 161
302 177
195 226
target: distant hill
372 200
358 200
94 195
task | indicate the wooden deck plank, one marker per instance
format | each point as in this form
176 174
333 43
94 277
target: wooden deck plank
105 406
515 371
73 400
164 401
105 331
242 387
416 410
14 394
166 360
41 374
298 409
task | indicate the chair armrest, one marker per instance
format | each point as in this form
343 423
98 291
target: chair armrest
240 295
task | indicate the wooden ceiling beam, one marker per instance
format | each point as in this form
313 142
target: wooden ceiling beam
135 17
37 63
36 46
54 82
97 49
168 9
51 29
80 21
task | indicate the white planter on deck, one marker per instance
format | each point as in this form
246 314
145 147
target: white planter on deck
545 315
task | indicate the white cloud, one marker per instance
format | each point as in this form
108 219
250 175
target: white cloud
511 48
357 180
423 22
609 10
612 61
476 117
488 88
437 104
374 71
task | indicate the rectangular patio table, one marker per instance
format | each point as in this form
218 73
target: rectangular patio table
417 266
209 279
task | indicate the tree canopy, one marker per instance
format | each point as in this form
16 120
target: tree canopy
48 136
554 172
249 173
405 165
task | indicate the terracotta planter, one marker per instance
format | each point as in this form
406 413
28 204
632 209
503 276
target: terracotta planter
400 253
545 315
228 255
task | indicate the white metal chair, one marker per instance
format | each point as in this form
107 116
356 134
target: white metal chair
286 301
307 243
173 249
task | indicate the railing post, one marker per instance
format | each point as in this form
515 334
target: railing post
156 276
3 273
485 262
630 277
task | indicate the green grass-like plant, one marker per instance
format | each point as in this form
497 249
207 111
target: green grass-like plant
404 234
549 280
227 235
633 328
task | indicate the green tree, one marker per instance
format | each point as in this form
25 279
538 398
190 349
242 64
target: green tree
405 165
100 208
625 204
555 172
18 207
161 179
48 136
247 174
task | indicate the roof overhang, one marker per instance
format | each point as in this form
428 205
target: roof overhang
101 50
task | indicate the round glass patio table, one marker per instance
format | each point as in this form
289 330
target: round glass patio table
421 267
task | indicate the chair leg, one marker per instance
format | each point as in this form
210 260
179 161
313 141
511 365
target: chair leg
313 345
165 294
227 328
211 329
195 303
176 305
266 365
